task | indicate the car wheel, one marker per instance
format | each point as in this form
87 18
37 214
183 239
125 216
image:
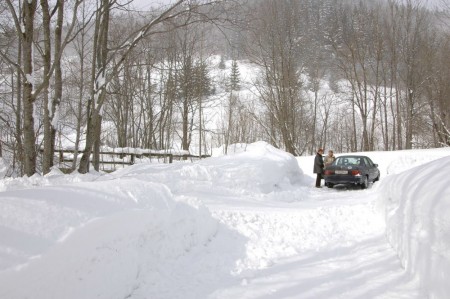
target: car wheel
365 183
377 178
329 185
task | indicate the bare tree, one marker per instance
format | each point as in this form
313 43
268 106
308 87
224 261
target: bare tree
275 50
77 79
24 18
440 87
105 70
51 107
359 57
26 35
10 98
413 24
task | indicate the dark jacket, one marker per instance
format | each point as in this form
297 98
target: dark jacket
318 163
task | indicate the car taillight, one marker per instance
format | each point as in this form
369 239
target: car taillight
328 172
356 172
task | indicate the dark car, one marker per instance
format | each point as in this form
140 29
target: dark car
351 170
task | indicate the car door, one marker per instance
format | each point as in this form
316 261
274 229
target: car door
372 169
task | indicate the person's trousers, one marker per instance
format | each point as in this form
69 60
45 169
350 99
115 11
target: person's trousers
318 179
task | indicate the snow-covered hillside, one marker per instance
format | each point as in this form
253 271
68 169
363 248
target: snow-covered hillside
246 225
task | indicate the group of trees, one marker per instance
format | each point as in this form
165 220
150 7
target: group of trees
108 53
393 58
384 63
350 75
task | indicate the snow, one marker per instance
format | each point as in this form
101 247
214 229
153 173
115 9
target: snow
30 78
49 107
3 168
418 223
246 225
55 118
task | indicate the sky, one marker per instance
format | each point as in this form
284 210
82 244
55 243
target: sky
246 225
148 4
145 4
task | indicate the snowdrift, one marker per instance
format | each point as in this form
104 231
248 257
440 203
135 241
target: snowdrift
256 168
129 234
417 204
189 230
105 240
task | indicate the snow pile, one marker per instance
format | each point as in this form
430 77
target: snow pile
257 167
54 177
418 225
399 161
260 168
245 225
105 240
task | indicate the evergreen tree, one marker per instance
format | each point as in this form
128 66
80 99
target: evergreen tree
222 63
202 81
234 83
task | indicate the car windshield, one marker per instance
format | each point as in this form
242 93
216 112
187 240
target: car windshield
352 161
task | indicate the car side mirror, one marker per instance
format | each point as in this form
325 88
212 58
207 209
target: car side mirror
376 165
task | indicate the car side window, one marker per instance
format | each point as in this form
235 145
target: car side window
368 162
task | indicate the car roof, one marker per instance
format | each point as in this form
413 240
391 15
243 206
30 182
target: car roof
352 156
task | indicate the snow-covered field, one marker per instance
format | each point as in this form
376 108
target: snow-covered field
247 225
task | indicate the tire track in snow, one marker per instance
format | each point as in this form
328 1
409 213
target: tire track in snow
325 219
330 245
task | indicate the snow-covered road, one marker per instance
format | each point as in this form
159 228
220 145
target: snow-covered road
248 225
330 246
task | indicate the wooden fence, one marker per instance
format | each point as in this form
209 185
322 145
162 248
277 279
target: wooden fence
122 159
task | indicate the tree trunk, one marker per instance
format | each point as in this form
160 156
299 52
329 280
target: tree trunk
29 9
90 139
58 79
97 87
185 125
48 152
19 152
97 143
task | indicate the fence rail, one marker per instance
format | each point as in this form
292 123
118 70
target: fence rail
107 158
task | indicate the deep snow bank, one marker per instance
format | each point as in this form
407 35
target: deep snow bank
417 206
252 169
118 235
257 167
53 178
106 239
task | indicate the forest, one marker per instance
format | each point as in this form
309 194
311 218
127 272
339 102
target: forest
194 75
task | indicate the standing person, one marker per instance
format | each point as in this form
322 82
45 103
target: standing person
318 166
329 158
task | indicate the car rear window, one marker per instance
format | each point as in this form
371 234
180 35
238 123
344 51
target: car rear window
352 161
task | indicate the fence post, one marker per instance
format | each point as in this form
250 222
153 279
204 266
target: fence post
170 158
132 159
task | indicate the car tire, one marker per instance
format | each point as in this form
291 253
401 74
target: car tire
329 185
365 183
377 178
